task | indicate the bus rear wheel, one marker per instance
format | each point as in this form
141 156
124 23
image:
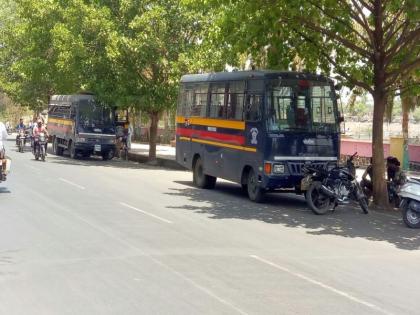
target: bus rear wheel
200 179
255 192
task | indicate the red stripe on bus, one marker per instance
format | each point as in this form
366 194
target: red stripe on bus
209 135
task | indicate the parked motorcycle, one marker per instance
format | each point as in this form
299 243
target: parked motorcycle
410 202
332 186
39 146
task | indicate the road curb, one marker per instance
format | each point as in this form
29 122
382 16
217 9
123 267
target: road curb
160 161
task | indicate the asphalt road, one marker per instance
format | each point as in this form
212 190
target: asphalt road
94 237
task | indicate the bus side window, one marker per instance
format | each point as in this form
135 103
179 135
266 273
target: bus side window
217 100
199 100
235 100
253 107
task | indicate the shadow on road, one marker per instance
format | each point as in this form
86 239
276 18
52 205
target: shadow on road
227 201
4 190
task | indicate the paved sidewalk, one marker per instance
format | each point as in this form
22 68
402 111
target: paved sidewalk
165 155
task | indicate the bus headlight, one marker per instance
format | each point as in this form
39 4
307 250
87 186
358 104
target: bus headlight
278 168
79 139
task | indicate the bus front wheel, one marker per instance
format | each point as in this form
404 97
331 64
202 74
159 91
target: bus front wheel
255 192
200 179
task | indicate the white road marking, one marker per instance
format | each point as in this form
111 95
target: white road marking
145 212
141 251
71 183
199 287
322 285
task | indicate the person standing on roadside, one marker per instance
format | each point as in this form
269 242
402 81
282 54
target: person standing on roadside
129 135
3 136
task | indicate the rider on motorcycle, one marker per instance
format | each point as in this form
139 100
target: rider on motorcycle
38 129
19 127
3 137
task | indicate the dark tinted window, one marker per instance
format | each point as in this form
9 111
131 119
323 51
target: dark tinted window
199 100
218 100
235 100
253 108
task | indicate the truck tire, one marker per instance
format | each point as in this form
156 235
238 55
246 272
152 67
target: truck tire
255 192
72 150
108 155
200 179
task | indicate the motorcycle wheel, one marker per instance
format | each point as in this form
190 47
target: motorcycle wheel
316 200
411 218
43 154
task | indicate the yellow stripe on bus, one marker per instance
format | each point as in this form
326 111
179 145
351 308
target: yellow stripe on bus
67 122
211 122
224 145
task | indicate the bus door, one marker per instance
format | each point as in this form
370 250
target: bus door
234 130
254 131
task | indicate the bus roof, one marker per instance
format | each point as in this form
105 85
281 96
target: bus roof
259 74
70 98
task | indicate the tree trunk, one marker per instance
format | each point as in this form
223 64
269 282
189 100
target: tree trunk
154 120
405 112
380 193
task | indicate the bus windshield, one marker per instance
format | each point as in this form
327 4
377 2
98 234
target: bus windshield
301 106
94 118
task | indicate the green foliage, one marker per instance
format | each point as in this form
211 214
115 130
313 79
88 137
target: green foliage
130 53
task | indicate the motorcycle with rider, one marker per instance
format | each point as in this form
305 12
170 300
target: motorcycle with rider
40 136
5 162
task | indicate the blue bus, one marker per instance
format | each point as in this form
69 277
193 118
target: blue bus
256 128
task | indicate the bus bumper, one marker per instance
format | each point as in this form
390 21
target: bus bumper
95 148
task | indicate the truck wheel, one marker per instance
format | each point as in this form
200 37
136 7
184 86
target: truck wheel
108 155
200 179
55 146
255 192
72 149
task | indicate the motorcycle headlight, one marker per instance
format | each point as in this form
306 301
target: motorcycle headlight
278 168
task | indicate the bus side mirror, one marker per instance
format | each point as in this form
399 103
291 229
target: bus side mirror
340 118
338 86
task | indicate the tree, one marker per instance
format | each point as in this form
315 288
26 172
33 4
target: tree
130 53
154 47
370 44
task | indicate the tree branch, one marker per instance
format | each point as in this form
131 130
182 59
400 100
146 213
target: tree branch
394 20
361 21
366 5
411 37
391 33
332 35
337 67
335 18
403 68
390 53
